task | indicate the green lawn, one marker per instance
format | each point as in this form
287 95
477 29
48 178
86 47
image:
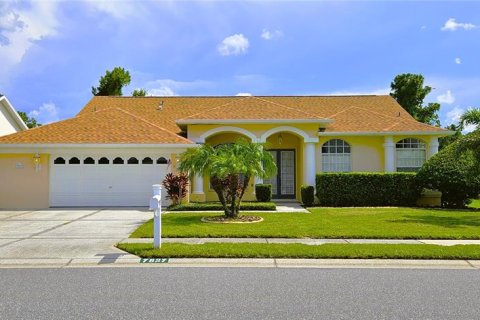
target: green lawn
475 204
338 251
391 223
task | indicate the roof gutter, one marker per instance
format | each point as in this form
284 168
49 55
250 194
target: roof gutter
388 133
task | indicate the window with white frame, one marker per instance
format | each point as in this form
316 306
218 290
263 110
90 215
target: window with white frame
411 154
336 156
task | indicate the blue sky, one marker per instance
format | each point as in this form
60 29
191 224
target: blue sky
53 52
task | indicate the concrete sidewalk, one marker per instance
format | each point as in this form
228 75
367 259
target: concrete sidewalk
303 241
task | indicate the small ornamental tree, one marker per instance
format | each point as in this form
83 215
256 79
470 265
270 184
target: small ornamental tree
176 186
455 171
230 167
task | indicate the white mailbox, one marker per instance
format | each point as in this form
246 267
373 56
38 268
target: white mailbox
156 206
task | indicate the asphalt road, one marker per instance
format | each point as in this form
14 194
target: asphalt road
238 293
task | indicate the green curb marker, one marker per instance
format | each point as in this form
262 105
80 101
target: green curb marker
154 260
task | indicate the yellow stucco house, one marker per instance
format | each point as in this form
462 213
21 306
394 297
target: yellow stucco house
117 147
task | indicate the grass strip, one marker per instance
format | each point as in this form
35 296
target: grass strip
353 223
332 251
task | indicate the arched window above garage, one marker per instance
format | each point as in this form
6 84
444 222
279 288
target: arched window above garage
162 160
59 160
103 160
89 160
132 160
147 160
74 160
118 160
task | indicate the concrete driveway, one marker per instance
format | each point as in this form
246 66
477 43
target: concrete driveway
63 236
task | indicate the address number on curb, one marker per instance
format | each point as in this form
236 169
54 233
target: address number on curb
154 260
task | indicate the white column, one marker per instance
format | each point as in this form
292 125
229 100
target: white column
309 163
198 184
389 148
432 146
258 180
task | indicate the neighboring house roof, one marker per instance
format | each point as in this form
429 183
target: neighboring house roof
10 121
157 119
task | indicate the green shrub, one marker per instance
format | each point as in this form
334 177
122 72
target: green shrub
263 192
308 195
367 189
455 171
207 206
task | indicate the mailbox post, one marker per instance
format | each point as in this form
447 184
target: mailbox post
156 206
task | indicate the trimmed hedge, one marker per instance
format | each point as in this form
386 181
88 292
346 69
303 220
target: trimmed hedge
207 206
263 192
308 195
367 189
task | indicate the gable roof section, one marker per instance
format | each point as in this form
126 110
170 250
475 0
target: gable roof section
109 126
251 108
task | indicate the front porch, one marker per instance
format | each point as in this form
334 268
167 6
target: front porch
292 148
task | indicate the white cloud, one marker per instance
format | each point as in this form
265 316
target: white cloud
458 61
269 35
115 8
244 94
169 87
21 28
453 25
454 115
447 98
233 45
423 28
47 113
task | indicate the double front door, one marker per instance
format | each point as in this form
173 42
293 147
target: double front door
283 183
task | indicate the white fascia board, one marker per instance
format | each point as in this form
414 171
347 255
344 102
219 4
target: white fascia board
252 121
49 148
388 133
11 110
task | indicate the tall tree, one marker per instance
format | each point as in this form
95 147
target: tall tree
139 93
31 122
230 167
112 82
409 91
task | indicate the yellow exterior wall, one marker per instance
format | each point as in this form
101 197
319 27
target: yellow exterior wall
367 154
21 186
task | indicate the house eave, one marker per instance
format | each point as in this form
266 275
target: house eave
7 147
387 133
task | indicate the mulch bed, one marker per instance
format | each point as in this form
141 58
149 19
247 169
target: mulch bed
239 219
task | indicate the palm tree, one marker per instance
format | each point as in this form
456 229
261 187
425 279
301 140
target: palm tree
230 167
471 116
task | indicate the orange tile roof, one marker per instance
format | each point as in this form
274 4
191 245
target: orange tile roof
142 120
112 125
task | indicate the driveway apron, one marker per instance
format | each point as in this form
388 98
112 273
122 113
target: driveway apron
67 233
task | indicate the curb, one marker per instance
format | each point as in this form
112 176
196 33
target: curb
243 263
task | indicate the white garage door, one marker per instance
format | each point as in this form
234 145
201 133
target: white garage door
105 181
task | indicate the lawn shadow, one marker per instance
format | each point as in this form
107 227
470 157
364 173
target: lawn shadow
447 222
